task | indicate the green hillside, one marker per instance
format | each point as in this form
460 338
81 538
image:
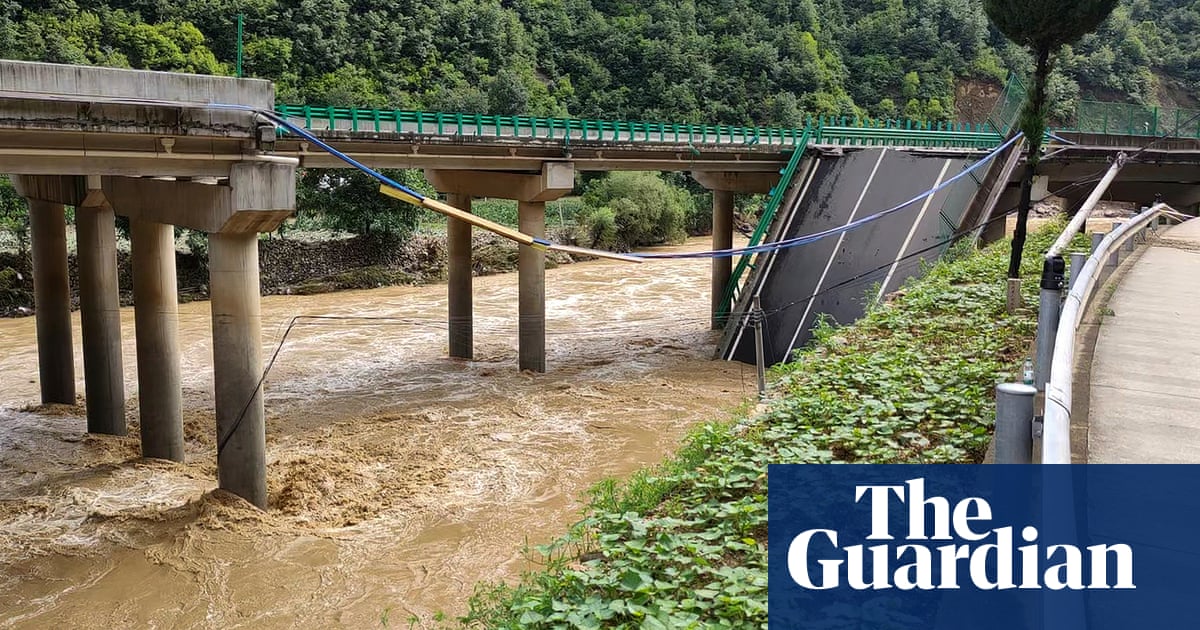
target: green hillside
729 61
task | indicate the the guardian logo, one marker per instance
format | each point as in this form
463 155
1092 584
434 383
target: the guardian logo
973 554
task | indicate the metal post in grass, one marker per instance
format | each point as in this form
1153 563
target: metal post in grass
760 360
1050 305
1115 258
1014 423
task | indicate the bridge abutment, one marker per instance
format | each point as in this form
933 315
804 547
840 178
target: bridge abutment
156 318
459 279
723 186
531 191
100 319
52 301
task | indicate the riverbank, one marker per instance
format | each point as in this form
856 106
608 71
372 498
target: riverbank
296 267
684 544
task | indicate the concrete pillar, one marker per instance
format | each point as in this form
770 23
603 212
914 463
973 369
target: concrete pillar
458 281
100 319
156 314
723 186
237 365
531 299
52 301
722 268
531 191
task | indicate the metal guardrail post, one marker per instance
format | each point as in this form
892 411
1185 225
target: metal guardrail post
1078 260
1115 258
1097 238
1014 423
1050 304
760 359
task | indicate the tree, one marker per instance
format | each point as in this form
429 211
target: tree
349 201
14 215
1044 27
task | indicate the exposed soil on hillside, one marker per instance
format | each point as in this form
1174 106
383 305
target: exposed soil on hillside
974 100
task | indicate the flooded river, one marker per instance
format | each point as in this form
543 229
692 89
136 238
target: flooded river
398 478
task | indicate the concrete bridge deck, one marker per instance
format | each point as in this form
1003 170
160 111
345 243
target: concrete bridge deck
1145 374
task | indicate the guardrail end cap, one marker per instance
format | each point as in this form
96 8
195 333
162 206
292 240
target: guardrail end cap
1018 389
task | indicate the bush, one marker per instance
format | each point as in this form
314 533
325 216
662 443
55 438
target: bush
645 209
598 227
502 211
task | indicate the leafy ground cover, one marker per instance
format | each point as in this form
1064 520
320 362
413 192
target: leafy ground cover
684 545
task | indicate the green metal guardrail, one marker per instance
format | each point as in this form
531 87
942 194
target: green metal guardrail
845 130
1118 119
1132 119
732 289
1007 109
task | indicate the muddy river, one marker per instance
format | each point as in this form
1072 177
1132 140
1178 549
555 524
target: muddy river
398 478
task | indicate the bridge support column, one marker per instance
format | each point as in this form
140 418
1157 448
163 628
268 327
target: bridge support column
722 268
531 300
156 314
532 191
100 319
237 365
458 281
723 186
52 301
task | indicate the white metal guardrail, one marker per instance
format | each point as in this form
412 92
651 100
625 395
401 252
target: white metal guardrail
1056 433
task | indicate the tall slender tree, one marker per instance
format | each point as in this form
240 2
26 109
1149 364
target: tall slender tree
1044 27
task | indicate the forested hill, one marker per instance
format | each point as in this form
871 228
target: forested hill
729 61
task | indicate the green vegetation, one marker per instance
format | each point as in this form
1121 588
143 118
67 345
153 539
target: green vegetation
733 61
626 210
14 217
685 543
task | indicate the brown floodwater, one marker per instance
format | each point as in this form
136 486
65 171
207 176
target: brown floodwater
398 478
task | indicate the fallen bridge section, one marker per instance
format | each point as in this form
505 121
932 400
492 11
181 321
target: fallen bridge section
840 276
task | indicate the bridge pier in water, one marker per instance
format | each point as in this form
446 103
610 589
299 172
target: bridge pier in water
459 278
52 301
723 186
164 163
237 365
531 191
100 314
156 328
257 197
531 294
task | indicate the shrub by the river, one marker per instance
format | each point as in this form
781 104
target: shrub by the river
685 544
631 209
